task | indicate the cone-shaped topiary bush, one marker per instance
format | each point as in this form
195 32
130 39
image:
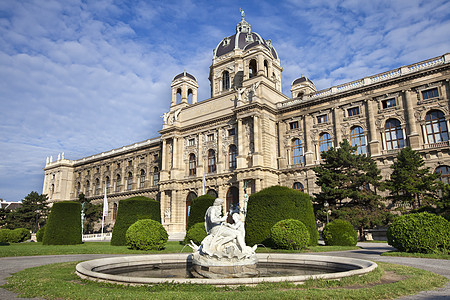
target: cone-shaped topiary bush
131 210
421 233
196 234
64 224
339 233
40 234
198 209
146 234
290 234
274 204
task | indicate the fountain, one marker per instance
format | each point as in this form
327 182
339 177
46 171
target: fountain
222 258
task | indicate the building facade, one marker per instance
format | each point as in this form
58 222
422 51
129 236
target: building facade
249 135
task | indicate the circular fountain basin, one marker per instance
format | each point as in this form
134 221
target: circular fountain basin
172 268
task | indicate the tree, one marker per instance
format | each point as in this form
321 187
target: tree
411 183
348 183
92 213
32 214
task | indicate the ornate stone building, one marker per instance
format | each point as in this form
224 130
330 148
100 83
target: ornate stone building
250 134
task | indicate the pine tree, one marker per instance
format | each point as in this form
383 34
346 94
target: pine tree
348 183
31 214
411 183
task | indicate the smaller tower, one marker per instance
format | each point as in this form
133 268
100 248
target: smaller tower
302 86
184 84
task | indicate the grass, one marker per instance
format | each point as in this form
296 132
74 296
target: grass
32 249
418 255
58 281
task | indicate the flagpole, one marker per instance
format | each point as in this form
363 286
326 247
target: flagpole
105 211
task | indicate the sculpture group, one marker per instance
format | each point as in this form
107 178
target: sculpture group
223 252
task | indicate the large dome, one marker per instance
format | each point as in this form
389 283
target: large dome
243 39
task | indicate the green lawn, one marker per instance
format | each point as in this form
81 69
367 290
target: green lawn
31 249
58 281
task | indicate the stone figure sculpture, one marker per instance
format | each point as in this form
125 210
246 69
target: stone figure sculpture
223 252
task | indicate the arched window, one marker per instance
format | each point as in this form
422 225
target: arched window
436 127
213 193
266 69
142 181
232 154
325 142
191 196
192 165
225 80
88 187
118 183
358 139
114 213
97 186
178 95
297 152
78 189
211 161
108 184
155 176
130 181
233 199
190 96
298 186
252 69
445 173
394 134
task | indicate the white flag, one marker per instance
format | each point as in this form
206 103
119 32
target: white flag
204 182
105 204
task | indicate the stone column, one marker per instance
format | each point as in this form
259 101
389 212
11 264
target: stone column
164 172
184 97
374 144
220 157
240 159
200 160
194 96
257 141
309 147
337 126
260 65
413 135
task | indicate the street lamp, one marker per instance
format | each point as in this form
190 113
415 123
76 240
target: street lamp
326 208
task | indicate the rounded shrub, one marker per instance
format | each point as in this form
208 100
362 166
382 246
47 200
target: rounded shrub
196 234
420 233
198 209
131 210
64 224
4 235
274 204
40 234
290 234
19 235
339 233
146 234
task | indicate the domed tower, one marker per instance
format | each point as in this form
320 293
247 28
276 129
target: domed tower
183 85
302 86
241 57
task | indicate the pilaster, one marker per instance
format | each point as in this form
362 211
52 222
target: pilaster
413 135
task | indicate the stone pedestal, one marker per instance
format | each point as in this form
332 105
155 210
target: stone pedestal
212 267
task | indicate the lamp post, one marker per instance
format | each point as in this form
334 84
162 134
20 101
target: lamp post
326 208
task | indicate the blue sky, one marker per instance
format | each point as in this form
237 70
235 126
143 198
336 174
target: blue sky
83 77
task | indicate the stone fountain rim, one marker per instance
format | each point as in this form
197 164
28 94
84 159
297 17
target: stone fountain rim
85 269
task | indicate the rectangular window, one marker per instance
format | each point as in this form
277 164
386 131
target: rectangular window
428 94
191 142
322 119
388 103
354 111
210 137
293 125
231 132
155 157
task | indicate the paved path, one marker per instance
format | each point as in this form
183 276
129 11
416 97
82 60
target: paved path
369 251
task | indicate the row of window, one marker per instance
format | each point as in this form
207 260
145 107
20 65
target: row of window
232 164
118 187
435 127
252 71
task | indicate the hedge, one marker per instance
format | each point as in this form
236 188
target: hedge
64 224
146 235
19 235
339 233
198 209
4 235
420 233
40 234
274 204
196 234
131 210
290 234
